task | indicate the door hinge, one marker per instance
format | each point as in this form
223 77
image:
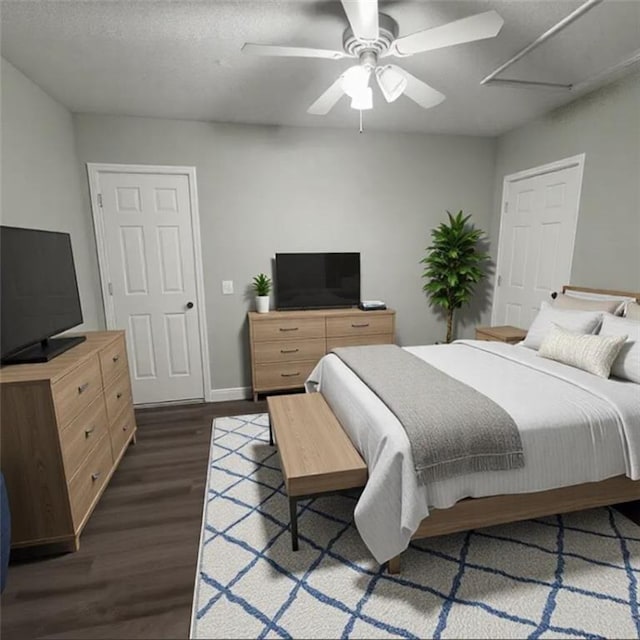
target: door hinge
499 280
110 288
100 200
506 206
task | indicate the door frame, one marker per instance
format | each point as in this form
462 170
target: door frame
551 167
93 171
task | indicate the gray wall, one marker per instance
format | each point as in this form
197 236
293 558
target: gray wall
41 180
605 125
264 190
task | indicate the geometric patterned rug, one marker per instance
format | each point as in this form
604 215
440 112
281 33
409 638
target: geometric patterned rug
571 576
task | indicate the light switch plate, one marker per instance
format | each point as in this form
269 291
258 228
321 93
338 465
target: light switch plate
227 287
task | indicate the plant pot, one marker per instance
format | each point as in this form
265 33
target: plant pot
262 304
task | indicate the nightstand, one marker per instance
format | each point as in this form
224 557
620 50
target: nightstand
505 333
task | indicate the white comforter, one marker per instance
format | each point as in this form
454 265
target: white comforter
575 428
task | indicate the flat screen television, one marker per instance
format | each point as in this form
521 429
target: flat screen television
317 280
38 295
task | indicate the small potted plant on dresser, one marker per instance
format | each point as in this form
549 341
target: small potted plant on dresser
262 287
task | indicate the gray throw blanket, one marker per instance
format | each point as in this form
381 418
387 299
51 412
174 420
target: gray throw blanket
453 429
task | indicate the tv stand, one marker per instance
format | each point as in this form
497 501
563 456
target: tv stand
64 427
43 351
286 345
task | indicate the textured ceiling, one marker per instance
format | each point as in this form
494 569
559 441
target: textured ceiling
182 59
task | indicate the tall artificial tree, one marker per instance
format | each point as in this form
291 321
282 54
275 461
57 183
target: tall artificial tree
453 265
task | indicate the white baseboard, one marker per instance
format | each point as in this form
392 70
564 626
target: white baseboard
232 393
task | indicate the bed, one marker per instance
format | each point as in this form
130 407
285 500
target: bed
580 437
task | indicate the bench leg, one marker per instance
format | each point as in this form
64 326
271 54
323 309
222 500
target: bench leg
293 518
270 432
393 566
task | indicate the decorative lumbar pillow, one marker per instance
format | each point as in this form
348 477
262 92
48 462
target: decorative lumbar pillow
564 301
580 321
627 364
589 352
633 311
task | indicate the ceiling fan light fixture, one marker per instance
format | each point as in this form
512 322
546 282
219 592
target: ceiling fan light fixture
391 82
363 101
355 80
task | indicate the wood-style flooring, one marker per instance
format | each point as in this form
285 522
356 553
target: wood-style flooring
134 573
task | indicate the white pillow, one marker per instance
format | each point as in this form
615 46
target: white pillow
564 301
632 311
589 352
580 321
627 364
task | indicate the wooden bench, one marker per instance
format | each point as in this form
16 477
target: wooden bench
316 454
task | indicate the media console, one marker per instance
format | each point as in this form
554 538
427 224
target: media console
65 425
287 345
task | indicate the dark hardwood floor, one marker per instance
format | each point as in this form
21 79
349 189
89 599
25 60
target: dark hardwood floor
134 573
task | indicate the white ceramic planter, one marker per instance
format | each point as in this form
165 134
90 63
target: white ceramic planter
262 304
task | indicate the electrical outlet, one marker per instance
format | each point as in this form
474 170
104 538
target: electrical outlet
227 287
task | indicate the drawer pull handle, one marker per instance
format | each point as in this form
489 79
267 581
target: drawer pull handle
289 350
288 328
118 395
83 387
88 432
116 358
125 428
360 326
290 375
96 475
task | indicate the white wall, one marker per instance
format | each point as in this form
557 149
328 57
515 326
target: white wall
41 178
605 125
264 190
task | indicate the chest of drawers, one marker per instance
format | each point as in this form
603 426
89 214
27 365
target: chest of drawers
65 425
286 345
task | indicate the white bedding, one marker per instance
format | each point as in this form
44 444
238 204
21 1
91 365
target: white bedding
574 426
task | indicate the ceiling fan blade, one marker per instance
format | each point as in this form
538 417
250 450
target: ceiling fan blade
327 100
295 52
363 18
420 92
478 27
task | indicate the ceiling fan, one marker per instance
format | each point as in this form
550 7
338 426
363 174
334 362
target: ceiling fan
371 36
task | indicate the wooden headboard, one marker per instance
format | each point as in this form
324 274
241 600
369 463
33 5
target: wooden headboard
608 292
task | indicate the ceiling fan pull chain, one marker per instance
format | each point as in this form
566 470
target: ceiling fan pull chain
360 120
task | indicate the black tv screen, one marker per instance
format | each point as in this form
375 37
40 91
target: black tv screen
317 280
38 287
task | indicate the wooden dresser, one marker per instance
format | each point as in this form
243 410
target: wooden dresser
286 345
65 425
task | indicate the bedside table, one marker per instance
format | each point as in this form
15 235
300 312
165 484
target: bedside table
505 333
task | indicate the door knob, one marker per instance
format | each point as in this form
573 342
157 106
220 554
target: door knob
189 305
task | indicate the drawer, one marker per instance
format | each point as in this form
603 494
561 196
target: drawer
121 430
362 324
118 395
356 341
287 329
89 480
289 350
77 390
113 361
282 375
82 434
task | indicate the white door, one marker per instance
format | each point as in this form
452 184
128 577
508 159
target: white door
537 233
147 250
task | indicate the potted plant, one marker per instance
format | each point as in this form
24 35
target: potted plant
453 265
262 287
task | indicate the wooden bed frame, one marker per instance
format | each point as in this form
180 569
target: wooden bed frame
474 513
